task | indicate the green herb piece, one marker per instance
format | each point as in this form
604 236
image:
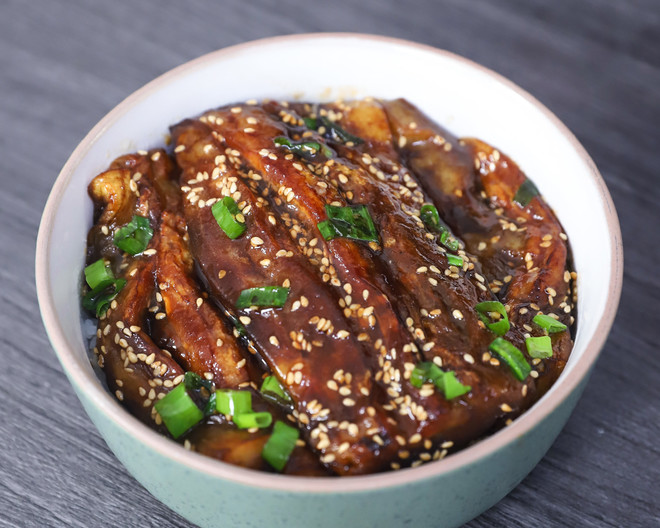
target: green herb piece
428 371
134 237
272 386
98 274
549 323
280 445
539 347
454 260
98 300
352 221
525 193
250 420
233 402
224 212
333 131
431 218
499 324
512 357
265 296
178 411
308 150
452 387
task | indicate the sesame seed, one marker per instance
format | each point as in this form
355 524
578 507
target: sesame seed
256 241
506 407
348 402
457 314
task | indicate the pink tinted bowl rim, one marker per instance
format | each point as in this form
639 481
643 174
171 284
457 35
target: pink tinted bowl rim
82 375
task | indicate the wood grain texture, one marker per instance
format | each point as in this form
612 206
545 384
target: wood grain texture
596 64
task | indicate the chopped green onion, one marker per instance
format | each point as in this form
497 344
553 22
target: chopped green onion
512 357
249 420
308 150
549 323
539 347
225 212
280 445
98 274
98 300
194 382
425 371
452 387
134 237
454 260
352 221
178 411
447 240
332 130
526 192
445 381
327 230
233 402
268 296
431 218
271 385
497 326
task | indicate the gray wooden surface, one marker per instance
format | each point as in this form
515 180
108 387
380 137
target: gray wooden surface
596 64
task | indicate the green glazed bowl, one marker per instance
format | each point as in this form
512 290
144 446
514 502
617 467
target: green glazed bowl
471 101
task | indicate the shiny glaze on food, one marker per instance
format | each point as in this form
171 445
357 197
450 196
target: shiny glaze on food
359 316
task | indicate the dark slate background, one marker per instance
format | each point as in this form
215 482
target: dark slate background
64 64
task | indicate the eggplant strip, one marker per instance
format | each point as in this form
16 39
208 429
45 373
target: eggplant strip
314 345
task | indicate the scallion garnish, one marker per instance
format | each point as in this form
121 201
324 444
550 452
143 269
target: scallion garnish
104 287
445 381
233 402
308 150
280 445
454 260
431 218
134 237
512 357
498 324
525 193
265 296
549 323
203 388
249 420
272 386
224 212
98 274
178 411
539 347
332 130
352 221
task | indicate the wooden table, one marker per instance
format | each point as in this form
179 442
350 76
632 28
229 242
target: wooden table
64 64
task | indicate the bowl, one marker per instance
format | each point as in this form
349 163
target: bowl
461 95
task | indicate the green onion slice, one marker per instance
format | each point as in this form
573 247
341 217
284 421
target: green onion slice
539 347
280 445
452 387
512 357
134 237
525 193
272 386
351 221
447 382
308 150
431 218
549 323
454 260
203 388
498 325
249 420
98 300
224 212
332 130
178 411
233 402
266 296
98 274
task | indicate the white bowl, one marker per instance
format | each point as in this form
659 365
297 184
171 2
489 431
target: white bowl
466 98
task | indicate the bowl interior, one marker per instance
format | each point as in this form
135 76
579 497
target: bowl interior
468 99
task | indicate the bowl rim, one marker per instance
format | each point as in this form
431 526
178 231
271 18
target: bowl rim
85 381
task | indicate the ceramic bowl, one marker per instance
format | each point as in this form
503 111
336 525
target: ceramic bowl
461 95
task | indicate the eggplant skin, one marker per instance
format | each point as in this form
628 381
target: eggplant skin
364 310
